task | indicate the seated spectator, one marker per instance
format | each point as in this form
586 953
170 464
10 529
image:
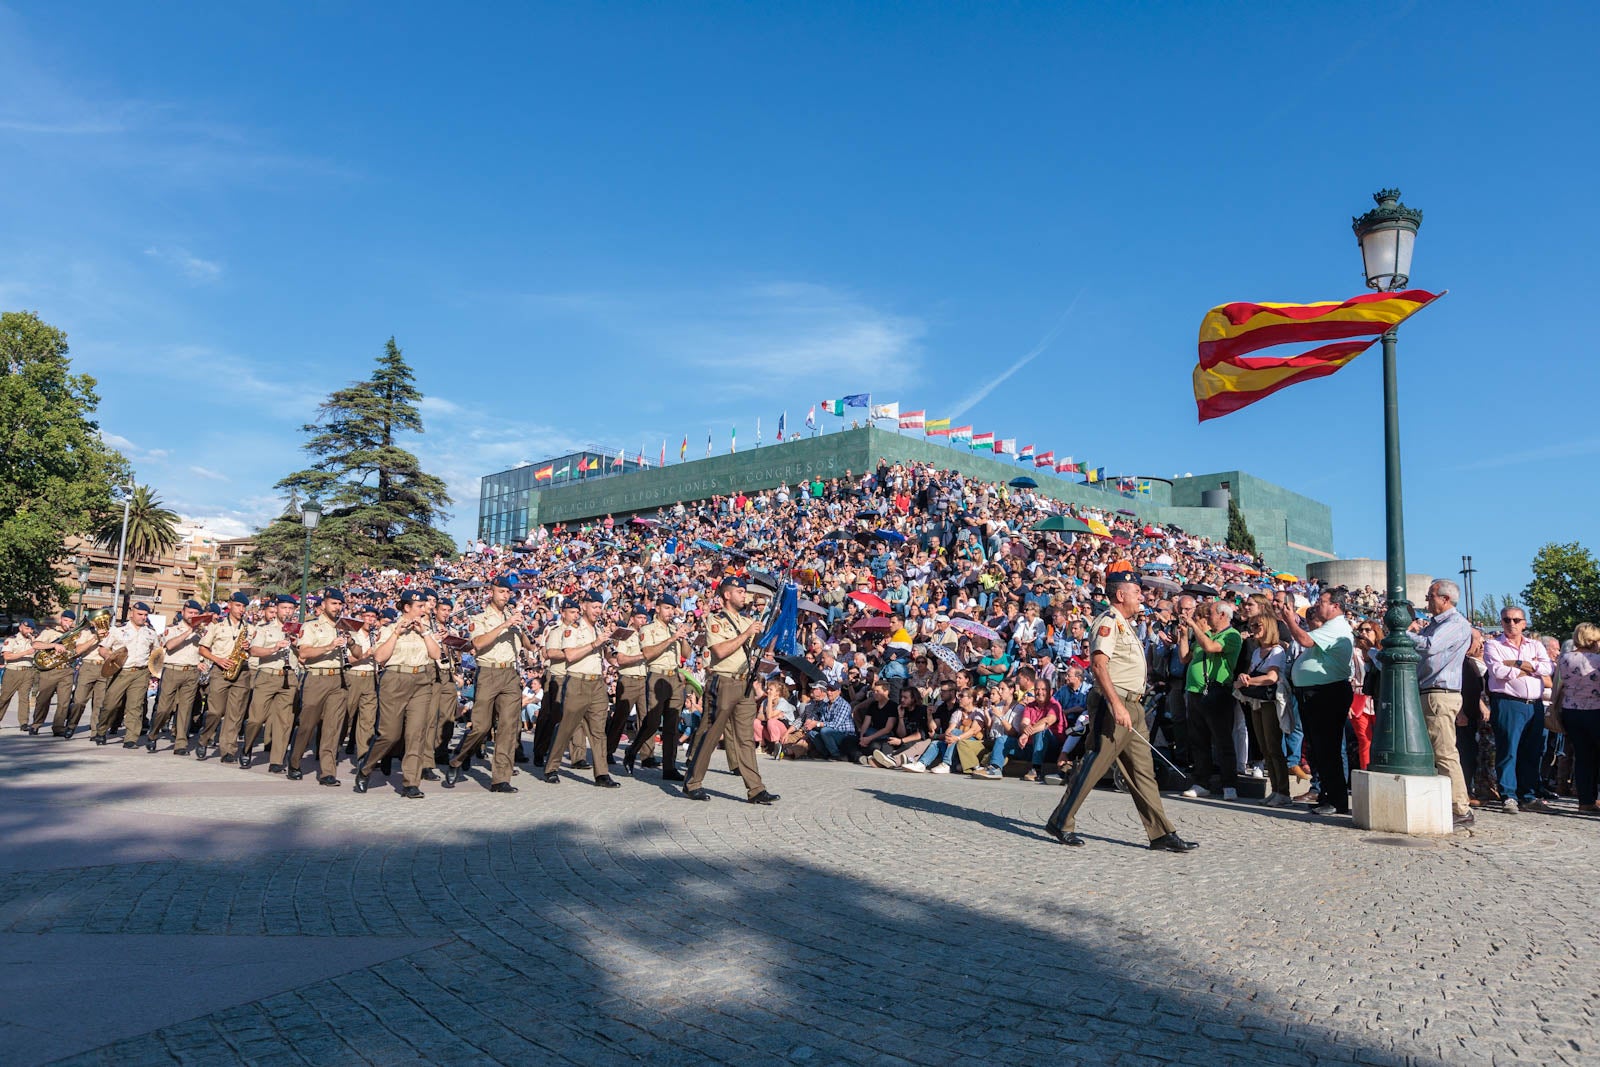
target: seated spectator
876 720
830 728
912 732
1032 736
961 740
774 716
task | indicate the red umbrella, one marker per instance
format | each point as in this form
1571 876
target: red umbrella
865 625
871 601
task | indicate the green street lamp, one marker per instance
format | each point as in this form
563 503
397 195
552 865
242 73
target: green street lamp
310 515
1400 744
83 580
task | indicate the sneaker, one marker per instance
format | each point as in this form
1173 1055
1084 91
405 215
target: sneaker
1195 792
1511 806
883 759
1536 804
1277 800
940 768
1324 809
1230 794
987 772
1257 771
1031 776
914 767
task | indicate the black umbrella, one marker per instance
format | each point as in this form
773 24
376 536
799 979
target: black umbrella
1200 589
799 665
837 535
1023 482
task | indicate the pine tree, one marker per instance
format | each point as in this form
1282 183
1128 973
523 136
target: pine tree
380 508
1239 537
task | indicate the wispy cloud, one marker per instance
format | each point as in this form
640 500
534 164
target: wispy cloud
1587 446
974 398
187 263
208 473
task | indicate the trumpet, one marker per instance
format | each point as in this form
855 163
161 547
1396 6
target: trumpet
50 659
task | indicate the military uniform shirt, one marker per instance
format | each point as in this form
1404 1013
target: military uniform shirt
318 633
631 646
188 653
579 635
503 651
653 634
365 643
723 626
410 649
140 641
221 637
552 641
17 643
269 633
1116 637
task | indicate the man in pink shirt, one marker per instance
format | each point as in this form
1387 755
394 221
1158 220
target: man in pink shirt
1517 668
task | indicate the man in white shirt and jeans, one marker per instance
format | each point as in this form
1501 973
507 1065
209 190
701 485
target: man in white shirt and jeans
1517 666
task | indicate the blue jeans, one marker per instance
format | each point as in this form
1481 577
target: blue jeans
939 752
1518 745
833 741
1295 736
1037 749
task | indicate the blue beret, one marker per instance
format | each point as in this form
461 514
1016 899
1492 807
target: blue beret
569 602
389 614
592 596
732 581
667 598
285 598
30 623
410 596
640 609
195 604
139 605
333 594
425 592
240 598
1120 578
69 614
447 602
214 608
505 581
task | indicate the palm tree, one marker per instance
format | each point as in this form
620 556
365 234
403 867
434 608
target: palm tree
152 529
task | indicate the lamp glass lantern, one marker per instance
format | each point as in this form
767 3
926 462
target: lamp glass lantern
1388 235
310 515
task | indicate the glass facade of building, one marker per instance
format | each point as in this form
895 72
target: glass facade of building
504 510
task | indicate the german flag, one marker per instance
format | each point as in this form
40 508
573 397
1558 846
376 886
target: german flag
1228 377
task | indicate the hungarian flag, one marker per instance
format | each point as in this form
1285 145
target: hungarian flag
543 474
1025 452
912 420
1044 459
983 440
1227 377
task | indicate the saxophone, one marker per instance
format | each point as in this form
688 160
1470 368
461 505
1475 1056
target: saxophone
240 653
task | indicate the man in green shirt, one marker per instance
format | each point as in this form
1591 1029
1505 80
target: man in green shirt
1210 647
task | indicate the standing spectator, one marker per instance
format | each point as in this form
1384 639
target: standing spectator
1442 642
1517 666
1210 646
1577 703
1259 690
1321 678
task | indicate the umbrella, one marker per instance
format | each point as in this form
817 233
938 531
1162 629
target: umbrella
866 537
868 513
837 535
1200 589
976 629
1125 511
799 665
1023 482
637 521
1161 585
474 584
1120 541
894 537
709 546
1061 524
1232 568
1238 588
1156 567
872 623
1285 577
944 654
872 601
813 607
1154 531
1098 528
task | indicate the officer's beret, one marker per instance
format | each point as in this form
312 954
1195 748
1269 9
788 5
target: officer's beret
569 602
447 602
34 625
410 596
240 598
1116 578
732 581
425 592
369 609
593 596
640 609
195 604
333 594
389 614
505 581
139 605
285 598
667 598
69 614
214 608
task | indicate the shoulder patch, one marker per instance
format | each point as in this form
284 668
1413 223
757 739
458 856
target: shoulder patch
1105 631
566 633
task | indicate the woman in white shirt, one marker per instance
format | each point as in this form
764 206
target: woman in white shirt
1259 694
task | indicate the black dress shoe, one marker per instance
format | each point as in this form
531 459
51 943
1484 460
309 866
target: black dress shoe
274 768
502 787
651 762
430 775
451 774
764 797
520 756
180 752
627 765
1063 836
229 757
671 776
696 794
582 765
553 779
130 744
98 740
605 781
1172 843
328 779
294 775
150 745
361 783
200 753
411 792
245 759
386 768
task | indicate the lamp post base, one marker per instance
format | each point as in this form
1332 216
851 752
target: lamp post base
1401 803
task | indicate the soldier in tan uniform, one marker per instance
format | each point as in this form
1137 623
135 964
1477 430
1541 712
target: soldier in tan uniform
408 653
497 699
583 694
664 644
730 706
1116 722
632 684
21 677
180 680
361 683
127 692
88 689
271 687
320 649
56 684
225 699
549 720
446 690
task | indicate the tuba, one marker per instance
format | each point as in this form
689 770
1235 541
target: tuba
99 620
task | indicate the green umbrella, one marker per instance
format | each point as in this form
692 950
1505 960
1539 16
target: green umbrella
1061 524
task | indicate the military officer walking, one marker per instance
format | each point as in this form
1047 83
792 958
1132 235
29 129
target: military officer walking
56 684
128 691
88 690
320 649
583 694
271 687
225 698
549 720
632 676
408 653
180 680
664 645
361 684
1116 722
497 699
730 707
21 677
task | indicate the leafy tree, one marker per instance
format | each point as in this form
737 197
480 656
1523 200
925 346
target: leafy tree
56 474
152 529
380 508
1565 589
1489 608
1240 539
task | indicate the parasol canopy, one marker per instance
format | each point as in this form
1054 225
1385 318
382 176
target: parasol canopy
1023 482
974 628
1061 524
871 601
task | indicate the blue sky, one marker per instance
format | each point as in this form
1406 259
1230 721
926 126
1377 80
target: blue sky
617 224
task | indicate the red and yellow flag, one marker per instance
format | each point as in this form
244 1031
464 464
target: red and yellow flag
1228 377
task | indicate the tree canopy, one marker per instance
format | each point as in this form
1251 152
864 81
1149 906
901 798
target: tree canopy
56 474
152 529
379 507
1565 589
1240 539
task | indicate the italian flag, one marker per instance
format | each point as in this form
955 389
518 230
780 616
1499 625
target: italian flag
833 407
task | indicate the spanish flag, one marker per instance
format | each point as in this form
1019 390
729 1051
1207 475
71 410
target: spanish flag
1228 377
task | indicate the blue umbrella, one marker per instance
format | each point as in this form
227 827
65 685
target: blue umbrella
1156 567
894 537
709 546
1023 482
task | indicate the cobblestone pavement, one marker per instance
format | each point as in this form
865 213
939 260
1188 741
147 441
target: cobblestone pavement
870 917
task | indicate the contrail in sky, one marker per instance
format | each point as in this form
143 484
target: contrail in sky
994 383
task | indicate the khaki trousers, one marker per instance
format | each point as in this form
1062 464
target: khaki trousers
405 713
125 696
666 693
89 688
271 709
361 706
731 719
583 705
496 709
1108 743
57 685
323 704
225 707
445 697
631 694
1439 711
19 683
175 701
